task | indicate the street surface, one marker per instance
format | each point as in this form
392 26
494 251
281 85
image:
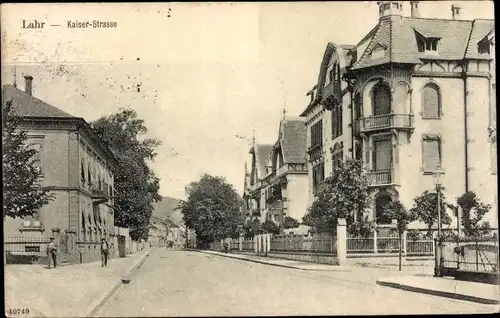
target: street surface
186 283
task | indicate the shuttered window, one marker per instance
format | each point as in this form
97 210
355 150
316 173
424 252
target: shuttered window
381 99
317 134
431 104
382 155
318 173
431 154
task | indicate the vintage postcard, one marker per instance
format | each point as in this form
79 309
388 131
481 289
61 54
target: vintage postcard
186 159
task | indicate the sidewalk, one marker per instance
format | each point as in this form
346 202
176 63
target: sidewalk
412 278
66 291
417 270
444 287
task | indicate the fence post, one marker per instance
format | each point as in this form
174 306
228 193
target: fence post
241 243
269 242
375 248
342 241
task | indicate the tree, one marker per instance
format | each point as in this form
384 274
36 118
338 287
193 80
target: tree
290 223
23 193
212 209
473 212
270 227
425 209
345 193
135 183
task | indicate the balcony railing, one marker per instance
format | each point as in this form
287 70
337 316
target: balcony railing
380 177
287 168
386 121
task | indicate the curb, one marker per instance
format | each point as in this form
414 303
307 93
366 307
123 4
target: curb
108 294
438 293
260 262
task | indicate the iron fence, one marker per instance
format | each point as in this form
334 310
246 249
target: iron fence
326 244
27 245
479 254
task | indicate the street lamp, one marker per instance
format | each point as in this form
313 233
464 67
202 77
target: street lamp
437 272
437 175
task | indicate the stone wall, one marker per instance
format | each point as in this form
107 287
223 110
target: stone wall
329 259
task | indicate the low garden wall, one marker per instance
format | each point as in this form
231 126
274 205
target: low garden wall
329 259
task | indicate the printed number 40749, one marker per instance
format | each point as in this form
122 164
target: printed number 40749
23 311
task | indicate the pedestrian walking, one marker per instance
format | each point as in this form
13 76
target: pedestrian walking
51 252
104 252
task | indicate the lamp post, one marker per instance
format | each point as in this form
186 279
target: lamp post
437 272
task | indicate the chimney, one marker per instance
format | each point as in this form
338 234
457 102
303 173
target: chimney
455 12
414 9
28 84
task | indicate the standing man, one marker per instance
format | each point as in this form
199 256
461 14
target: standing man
104 252
51 252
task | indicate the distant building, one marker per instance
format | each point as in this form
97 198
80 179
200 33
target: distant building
158 231
414 97
287 194
74 162
255 186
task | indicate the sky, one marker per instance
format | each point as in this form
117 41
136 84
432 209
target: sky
207 73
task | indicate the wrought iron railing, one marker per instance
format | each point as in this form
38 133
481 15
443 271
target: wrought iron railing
324 244
380 177
383 121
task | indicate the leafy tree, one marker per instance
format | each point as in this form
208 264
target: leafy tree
212 209
473 212
23 193
345 192
270 227
135 183
290 223
364 227
425 209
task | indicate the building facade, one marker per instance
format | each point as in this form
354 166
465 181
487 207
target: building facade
417 98
287 193
74 162
256 184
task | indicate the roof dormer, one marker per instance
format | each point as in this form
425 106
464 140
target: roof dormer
427 43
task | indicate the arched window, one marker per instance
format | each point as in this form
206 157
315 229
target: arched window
380 203
357 106
431 102
381 99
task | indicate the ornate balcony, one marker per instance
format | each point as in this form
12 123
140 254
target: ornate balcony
383 122
381 177
291 168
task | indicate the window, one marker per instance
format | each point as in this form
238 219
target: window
90 175
357 106
318 173
381 99
37 156
317 134
330 71
358 150
336 122
382 155
82 172
432 156
427 44
380 203
483 47
431 102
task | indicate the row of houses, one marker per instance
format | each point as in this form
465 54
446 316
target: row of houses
414 99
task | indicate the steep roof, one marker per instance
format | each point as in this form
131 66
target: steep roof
480 29
293 140
165 209
262 152
25 105
399 36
